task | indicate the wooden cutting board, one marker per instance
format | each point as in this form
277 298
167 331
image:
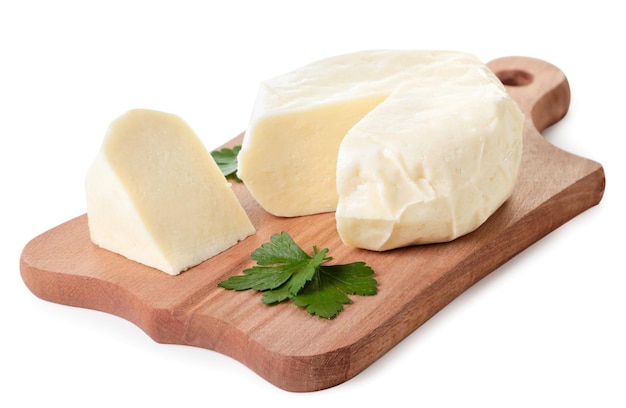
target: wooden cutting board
282 343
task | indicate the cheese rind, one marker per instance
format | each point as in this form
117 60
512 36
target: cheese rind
408 147
438 178
156 196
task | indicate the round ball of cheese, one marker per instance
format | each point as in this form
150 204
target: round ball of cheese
438 176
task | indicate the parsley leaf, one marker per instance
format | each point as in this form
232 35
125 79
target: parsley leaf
226 160
285 271
326 293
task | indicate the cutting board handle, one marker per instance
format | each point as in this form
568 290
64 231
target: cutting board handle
540 88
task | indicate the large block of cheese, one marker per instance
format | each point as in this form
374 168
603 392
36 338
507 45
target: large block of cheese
407 146
156 196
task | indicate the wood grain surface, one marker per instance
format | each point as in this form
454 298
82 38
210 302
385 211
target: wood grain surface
282 343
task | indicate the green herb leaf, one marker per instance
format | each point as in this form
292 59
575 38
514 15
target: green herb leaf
353 279
322 299
285 271
326 294
226 160
280 261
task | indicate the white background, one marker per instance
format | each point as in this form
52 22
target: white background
544 330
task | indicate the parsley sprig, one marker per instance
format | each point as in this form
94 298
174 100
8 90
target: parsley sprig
285 271
226 159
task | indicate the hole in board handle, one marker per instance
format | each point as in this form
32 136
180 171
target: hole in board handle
515 77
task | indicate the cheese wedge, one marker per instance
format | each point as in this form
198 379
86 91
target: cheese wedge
409 147
156 196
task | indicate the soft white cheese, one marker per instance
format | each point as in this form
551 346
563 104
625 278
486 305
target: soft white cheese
156 196
408 147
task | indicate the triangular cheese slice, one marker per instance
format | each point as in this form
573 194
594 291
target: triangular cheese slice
156 196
